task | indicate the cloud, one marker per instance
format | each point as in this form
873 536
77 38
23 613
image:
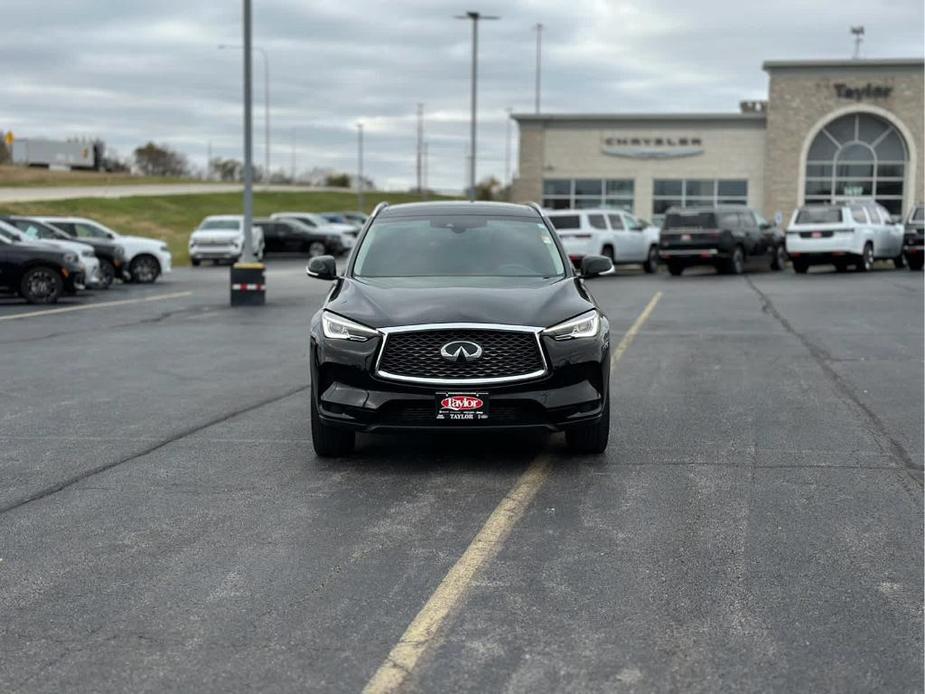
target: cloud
129 72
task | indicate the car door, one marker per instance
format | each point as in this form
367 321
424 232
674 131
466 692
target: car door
621 238
270 237
894 232
751 235
289 236
9 265
636 237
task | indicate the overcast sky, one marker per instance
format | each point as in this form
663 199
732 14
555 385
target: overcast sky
129 71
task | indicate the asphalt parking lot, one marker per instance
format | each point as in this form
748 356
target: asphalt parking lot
755 525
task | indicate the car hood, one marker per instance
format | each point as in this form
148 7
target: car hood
217 235
142 241
389 302
336 228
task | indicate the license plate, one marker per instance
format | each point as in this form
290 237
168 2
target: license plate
462 407
685 237
816 235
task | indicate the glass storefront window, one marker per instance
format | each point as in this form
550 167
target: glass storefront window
859 155
689 193
584 193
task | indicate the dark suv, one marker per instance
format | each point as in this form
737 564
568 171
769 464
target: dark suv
37 273
914 239
292 235
725 237
459 316
110 254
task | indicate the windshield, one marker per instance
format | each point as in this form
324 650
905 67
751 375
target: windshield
819 215
697 220
919 214
227 224
459 246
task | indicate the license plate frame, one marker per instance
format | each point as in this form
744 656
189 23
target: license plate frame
463 410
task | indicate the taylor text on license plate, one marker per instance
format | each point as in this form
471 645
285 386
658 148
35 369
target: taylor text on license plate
462 407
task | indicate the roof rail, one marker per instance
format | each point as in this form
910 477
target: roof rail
536 207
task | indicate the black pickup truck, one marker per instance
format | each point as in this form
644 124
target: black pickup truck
914 238
728 238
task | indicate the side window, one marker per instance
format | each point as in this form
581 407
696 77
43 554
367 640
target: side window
858 214
747 221
615 221
729 220
66 227
873 213
597 221
31 231
85 231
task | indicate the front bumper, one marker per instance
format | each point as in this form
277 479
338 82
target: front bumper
214 252
348 394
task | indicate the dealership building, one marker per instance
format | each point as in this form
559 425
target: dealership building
829 130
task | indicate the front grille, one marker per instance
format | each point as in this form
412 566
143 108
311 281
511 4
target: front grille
416 355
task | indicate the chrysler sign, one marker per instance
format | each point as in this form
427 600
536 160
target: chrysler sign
651 147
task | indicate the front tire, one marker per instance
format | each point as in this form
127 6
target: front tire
675 268
328 441
779 259
899 262
144 269
195 262
866 261
651 265
736 264
107 274
916 262
591 438
41 285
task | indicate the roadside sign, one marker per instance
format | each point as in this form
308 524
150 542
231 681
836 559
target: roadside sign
8 138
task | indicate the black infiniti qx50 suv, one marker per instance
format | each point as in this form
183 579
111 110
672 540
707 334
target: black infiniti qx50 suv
462 316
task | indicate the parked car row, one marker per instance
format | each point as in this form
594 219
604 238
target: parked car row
733 238
220 238
43 257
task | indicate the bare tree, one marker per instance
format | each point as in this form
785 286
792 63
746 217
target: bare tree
160 160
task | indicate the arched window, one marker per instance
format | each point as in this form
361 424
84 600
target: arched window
857 156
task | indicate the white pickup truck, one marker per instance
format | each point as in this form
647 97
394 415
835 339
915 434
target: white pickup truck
221 237
616 234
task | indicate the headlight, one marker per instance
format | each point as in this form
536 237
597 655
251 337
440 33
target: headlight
586 325
165 248
70 258
87 253
337 328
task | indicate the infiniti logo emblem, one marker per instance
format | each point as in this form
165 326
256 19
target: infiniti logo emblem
460 350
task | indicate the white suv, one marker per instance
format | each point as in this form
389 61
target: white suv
843 234
615 234
145 259
221 237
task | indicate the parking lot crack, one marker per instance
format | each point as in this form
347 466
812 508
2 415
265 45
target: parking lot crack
86 474
873 423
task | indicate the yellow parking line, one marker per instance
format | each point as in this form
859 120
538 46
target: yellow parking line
101 304
420 634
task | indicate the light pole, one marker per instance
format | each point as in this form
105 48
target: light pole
420 150
475 17
360 202
507 151
539 51
246 252
266 105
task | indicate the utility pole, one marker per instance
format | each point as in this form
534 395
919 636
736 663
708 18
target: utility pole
473 149
292 162
539 52
507 148
420 148
425 192
209 161
361 206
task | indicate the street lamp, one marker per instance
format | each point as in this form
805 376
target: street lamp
360 202
507 151
266 104
539 50
475 17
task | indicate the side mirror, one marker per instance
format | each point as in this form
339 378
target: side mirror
764 226
896 219
322 267
594 265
